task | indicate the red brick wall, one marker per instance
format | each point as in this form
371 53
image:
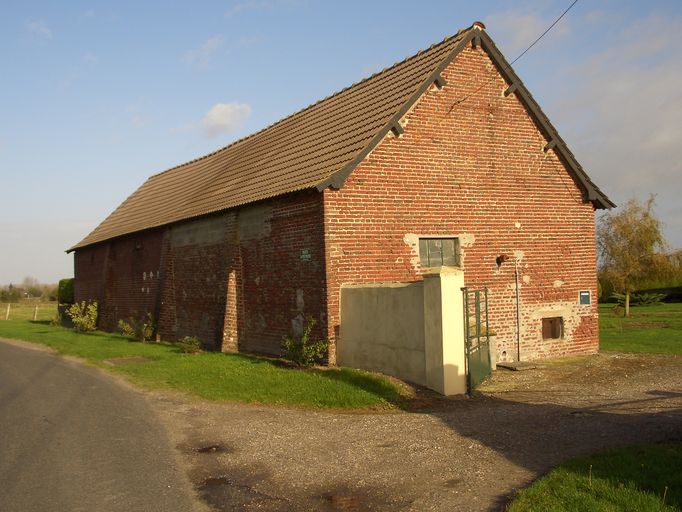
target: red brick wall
89 273
194 281
277 286
122 275
239 280
477 171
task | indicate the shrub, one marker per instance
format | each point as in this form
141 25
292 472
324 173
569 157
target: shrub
65 291
138 328
648 299
83 316
189 345
639 299
619 298
301 350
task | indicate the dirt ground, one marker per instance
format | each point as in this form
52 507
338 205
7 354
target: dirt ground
461 454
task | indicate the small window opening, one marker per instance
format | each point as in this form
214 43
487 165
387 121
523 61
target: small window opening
439 252
552 328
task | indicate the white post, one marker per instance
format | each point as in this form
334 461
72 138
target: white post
444 347
35 313
7 314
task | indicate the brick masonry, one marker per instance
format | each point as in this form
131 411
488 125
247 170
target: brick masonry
240 280
475 170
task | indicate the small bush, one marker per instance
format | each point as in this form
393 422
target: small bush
189 345
301 350
618 298
137 328
65 291
648 299
83 316
639 299
56 320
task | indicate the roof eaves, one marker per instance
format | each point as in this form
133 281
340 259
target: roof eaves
337 179
592 192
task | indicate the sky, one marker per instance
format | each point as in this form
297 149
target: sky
97 96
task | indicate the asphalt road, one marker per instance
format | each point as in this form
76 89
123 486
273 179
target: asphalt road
73 439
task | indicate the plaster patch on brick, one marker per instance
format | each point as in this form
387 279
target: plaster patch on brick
526 279
198 232
558 283
300 302
533 346
412 241
254 222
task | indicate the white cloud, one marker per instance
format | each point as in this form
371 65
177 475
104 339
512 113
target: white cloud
225 118
515 30
202 56
249 5
624 116
39 28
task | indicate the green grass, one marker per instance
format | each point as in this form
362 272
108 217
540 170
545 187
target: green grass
216 376
656 329
24 310
626 479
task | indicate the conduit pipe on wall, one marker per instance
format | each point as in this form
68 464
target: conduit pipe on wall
518 310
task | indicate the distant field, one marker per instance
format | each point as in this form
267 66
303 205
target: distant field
656 329
25 310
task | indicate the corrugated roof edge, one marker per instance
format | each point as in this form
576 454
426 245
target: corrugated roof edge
310 186
283 119
243 139
336 180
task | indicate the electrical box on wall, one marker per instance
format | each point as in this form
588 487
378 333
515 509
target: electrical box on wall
585 298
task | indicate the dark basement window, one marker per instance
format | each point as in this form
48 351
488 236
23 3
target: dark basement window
439 252
552 328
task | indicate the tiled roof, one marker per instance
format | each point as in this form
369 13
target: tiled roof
309 149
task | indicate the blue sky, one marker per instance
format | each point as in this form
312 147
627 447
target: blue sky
97 96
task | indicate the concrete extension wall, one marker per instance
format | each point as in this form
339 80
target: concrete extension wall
382 329
413 331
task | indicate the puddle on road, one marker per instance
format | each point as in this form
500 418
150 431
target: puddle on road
213 448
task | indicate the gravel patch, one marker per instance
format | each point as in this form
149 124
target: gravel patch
466 454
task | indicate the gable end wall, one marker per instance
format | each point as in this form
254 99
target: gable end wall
475 170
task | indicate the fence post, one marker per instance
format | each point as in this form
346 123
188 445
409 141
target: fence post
7 314
35 313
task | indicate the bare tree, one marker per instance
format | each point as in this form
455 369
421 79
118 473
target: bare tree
631 246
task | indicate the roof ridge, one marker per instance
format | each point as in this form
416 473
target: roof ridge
311 105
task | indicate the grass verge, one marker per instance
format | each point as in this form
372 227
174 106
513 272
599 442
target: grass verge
216 376
655 329
627 479
24 310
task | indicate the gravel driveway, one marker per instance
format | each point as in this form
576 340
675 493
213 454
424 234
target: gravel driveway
463 454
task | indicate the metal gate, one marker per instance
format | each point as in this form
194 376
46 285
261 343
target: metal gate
477 340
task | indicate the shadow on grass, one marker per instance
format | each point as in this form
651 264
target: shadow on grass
380 387
649 468
376 386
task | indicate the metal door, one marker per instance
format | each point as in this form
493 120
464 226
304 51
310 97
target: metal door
478 362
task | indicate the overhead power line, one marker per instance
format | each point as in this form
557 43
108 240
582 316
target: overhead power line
458 102
545 32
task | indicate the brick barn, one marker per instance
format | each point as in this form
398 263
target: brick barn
443 159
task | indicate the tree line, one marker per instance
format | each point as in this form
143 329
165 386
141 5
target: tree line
29 288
